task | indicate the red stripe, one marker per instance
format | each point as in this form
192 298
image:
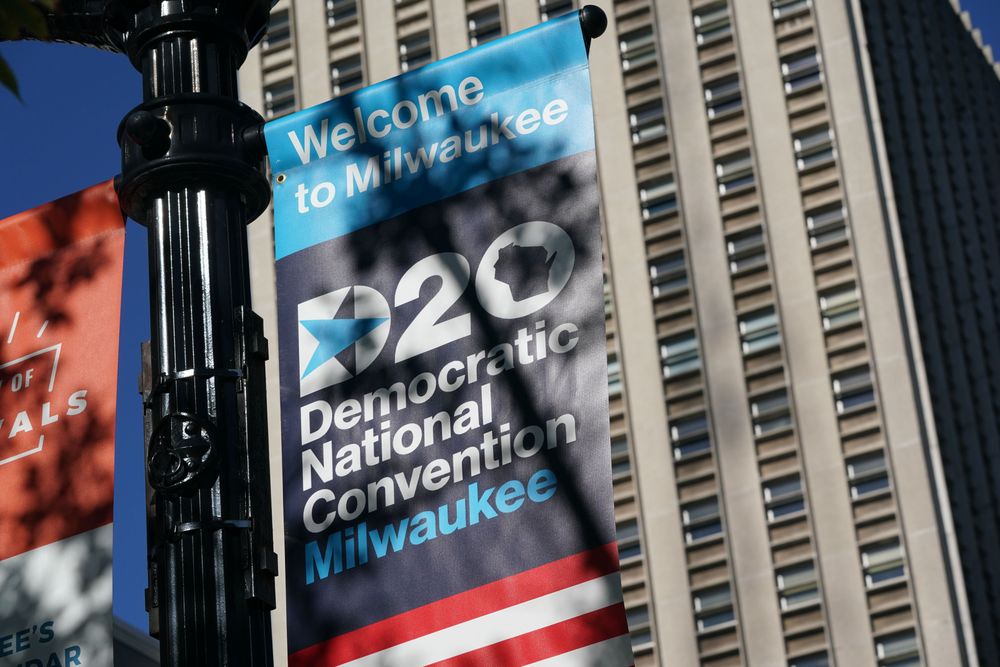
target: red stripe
556 639
459 608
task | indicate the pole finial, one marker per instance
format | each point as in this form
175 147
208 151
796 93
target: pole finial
593 21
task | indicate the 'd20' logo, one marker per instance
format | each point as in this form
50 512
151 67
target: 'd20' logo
341 333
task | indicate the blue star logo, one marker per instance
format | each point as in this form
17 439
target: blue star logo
341 333
336 335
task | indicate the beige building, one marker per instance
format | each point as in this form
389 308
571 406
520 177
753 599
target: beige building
780 495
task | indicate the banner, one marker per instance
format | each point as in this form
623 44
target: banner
60 293
447 481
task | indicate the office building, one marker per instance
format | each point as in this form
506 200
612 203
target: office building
802 297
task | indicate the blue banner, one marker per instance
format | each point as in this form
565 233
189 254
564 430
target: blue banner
505 107
447 481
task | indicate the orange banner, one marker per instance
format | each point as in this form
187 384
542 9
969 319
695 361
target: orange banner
60 295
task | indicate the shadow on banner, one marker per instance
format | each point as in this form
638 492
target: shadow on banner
60 294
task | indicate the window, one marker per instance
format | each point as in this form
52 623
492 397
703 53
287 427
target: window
279 31
641 639
549 9
679 354
734 172
840 307
867 474
279 98
712 24
609 302
770 413
648 122
614 375
801 71
713 607
621 465
783 9
485 26
658 197
415 51
759 331
639 626
668 274
853 390
783 497
347 75
637 616
701 520
621 469
827 226
882 562
746 251
339 12
813 148
797 585
628 539
812 660
723 97
690 436
897 649
638 48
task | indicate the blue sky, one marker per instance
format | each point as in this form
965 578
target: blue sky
61 139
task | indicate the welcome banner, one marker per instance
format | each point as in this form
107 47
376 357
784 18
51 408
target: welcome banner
447 480
60 293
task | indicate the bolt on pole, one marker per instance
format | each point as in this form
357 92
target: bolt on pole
192 173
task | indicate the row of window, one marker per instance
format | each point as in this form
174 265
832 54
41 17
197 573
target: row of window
797 585
346 74
702 520
840 308
628 531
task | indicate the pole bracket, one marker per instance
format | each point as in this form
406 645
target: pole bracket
194 140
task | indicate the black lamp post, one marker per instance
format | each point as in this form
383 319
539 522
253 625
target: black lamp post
192 173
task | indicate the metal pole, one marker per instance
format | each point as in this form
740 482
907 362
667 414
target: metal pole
191 173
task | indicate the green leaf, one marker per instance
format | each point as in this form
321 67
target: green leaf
7 78
20 17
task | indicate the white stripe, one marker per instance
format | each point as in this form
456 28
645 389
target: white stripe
13 327
615 652
499 625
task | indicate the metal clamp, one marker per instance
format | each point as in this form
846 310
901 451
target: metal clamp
167 379
179 530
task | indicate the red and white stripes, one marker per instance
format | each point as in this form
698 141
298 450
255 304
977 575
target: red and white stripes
568 612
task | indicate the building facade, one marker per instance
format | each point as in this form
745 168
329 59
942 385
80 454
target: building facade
779 450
